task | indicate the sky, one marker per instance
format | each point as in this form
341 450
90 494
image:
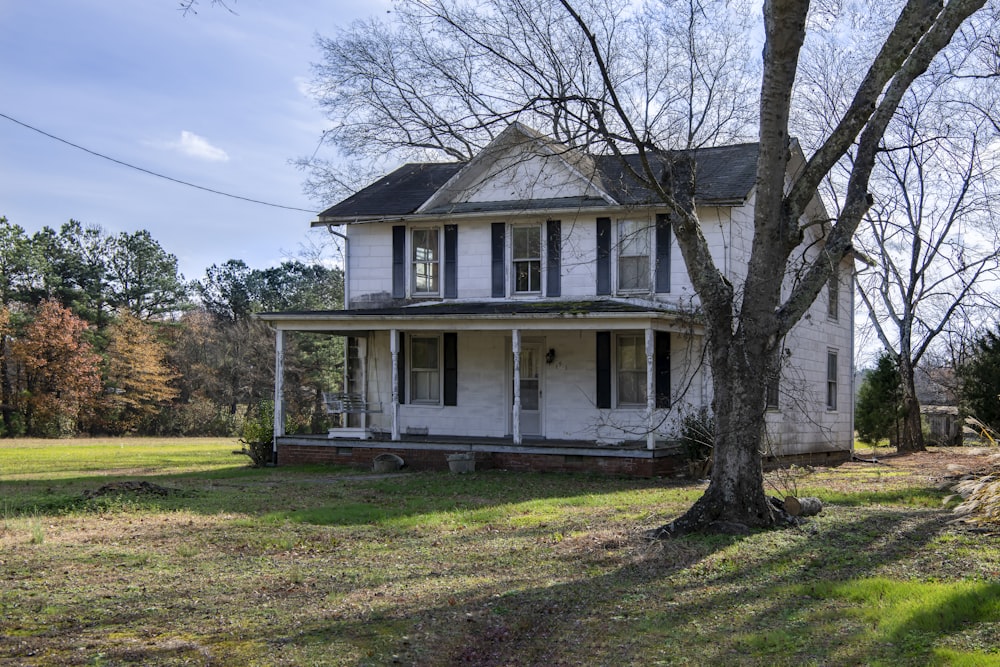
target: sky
214 98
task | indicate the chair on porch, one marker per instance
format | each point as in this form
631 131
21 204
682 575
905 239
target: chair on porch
349 404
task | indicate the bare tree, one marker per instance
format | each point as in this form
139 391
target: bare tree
932 234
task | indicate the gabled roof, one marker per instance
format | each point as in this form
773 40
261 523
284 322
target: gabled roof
724 176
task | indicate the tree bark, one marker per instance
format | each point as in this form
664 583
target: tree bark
911 437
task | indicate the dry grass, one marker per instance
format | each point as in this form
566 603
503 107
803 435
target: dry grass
315 566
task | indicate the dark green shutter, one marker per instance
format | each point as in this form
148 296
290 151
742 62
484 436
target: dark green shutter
604 255
553 251
603 369
661 353
497 254
399 261
451 368
663 253
451 261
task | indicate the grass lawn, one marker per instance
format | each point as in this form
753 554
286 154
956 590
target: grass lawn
324 566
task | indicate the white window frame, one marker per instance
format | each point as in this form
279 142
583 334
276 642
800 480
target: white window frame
630 232
639 340
832 383
413 370
513 260
436 263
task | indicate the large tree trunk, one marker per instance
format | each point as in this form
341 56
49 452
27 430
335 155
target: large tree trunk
911 437
735 500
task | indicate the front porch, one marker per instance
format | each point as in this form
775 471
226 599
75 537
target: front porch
634 459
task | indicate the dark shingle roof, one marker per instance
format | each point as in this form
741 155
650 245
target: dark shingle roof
725 174
398 193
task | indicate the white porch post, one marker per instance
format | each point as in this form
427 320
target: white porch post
279 389
650 389
394 353
516 418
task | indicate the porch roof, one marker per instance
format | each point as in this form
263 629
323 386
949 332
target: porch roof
494 315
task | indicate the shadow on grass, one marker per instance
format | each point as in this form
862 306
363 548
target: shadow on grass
696 600
325 496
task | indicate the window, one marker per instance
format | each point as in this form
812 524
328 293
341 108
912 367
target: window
631 369
425 370
526 257
426 261
633 255
772 394
833 295
831 380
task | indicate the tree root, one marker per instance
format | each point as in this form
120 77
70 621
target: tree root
697 522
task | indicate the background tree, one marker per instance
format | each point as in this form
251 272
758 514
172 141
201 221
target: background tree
573 70
980 377
137 379
59 369
932 230
878 408
142 277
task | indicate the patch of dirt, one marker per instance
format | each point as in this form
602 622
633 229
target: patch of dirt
937 463
130 487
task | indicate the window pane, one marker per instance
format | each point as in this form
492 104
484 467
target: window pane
425 386
631 388
631 360
633 238
424 353
633 255
633 273
831 381
425 260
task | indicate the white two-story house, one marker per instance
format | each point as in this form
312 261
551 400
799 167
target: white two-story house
532 305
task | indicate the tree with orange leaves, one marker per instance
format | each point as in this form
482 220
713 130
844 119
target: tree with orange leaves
59 371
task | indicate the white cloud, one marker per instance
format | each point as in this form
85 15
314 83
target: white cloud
199 147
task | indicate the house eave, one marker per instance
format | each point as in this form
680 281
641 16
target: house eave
493 214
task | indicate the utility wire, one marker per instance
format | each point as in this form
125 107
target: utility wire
152 173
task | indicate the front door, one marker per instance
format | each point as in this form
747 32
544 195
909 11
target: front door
531 388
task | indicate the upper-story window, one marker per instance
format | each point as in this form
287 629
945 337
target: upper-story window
831 380
526 259
426 261
633 255
833 294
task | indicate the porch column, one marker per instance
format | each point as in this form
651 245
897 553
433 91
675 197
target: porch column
279 389
650 389
516 418
394 353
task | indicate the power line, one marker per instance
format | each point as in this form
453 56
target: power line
152 173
